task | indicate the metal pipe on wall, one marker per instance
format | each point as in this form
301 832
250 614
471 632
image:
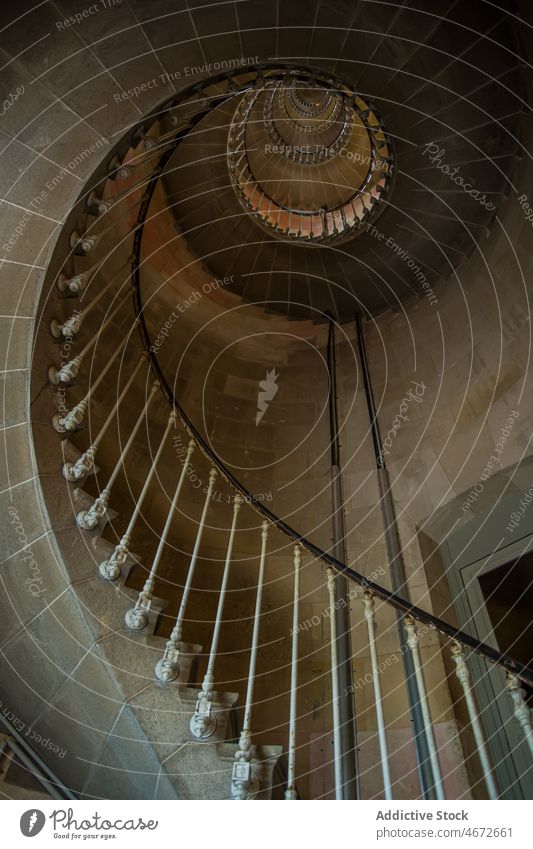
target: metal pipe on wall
344 672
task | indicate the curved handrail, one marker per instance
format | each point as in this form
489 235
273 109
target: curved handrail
508 663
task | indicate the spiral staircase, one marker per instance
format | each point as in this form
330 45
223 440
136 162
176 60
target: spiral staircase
182 659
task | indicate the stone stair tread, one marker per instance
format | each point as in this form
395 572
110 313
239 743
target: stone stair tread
128 766
204 772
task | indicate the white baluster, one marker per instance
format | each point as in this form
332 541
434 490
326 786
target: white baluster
88 519
290 792
521 709
368 602
463 674
83 245
69 370
335 695
84 465
110 568
203 722
119 169
72 325
75 284
244 783
167 669
412 642
137 617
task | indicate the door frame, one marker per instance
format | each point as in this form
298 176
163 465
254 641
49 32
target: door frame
479 545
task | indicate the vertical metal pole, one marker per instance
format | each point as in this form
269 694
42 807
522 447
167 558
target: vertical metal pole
348 733
398 578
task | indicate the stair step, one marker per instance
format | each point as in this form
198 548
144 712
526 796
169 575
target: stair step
199 775
105 603
125 651
164 712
